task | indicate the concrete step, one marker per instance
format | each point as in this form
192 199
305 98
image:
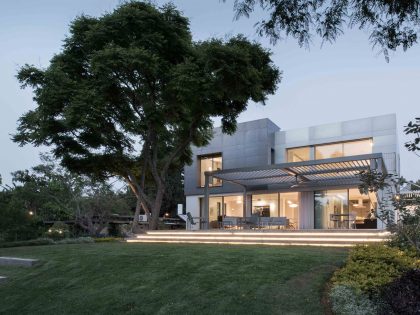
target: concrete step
14 261
3 279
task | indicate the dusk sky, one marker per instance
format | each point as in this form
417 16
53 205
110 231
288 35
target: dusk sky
343 81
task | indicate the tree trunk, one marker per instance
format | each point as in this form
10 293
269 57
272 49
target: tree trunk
136 215
154 220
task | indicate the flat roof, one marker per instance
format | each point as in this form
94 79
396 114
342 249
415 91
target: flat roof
334 172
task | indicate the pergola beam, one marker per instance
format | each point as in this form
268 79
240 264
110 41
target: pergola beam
246 177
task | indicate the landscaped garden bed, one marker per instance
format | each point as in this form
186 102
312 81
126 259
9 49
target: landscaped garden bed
377 279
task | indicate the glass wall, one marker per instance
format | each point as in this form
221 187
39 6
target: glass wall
289 207
362 209
265 205
222 206
277 205
215 211
299 154
331 209
233 206
210 163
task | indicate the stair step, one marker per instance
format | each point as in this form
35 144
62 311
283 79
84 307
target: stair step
14 261
337 238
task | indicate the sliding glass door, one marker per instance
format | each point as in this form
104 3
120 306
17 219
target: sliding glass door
331 209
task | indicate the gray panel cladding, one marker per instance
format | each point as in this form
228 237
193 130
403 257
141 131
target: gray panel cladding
250 145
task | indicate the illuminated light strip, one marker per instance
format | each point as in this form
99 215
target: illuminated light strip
242 243
273 233
164 237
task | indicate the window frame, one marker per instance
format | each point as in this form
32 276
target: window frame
314 146
199 159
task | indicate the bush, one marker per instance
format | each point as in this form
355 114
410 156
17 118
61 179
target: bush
346 300
108 239
369 268
402 296
58 231
36 242
48 241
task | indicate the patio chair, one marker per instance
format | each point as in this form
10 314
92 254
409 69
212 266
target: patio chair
265 222
279 221
230 222
253 221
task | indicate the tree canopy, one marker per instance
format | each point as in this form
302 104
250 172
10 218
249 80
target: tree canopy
130 92
390 23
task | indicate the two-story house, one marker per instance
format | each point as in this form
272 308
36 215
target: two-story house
308 175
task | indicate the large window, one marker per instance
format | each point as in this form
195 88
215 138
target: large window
331 150
346 208
231 206
277 205
289 207
326 151
299 154
210 163
362 209
357 147
265 205
331 209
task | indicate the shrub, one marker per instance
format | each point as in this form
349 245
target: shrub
59 230
346 300
402 296
36 242
369 268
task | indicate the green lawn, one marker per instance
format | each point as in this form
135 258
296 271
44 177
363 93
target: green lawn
119 278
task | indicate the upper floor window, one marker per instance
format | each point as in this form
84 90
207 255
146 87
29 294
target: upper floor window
210 163
299 154
330 150
340 149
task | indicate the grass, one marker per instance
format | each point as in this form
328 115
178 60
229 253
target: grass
120 278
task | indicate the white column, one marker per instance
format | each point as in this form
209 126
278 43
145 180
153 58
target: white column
306 210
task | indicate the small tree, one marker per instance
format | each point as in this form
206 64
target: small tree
130 92
407 229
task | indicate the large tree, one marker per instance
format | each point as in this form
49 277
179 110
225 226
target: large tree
391 23
131 91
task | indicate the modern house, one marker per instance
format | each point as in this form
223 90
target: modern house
308 176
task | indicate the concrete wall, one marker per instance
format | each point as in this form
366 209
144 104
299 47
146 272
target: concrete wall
250 145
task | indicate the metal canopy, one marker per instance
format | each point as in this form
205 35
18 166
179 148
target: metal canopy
335 171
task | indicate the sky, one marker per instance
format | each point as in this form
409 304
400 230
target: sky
326 83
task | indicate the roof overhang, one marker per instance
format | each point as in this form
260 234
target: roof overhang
327 172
